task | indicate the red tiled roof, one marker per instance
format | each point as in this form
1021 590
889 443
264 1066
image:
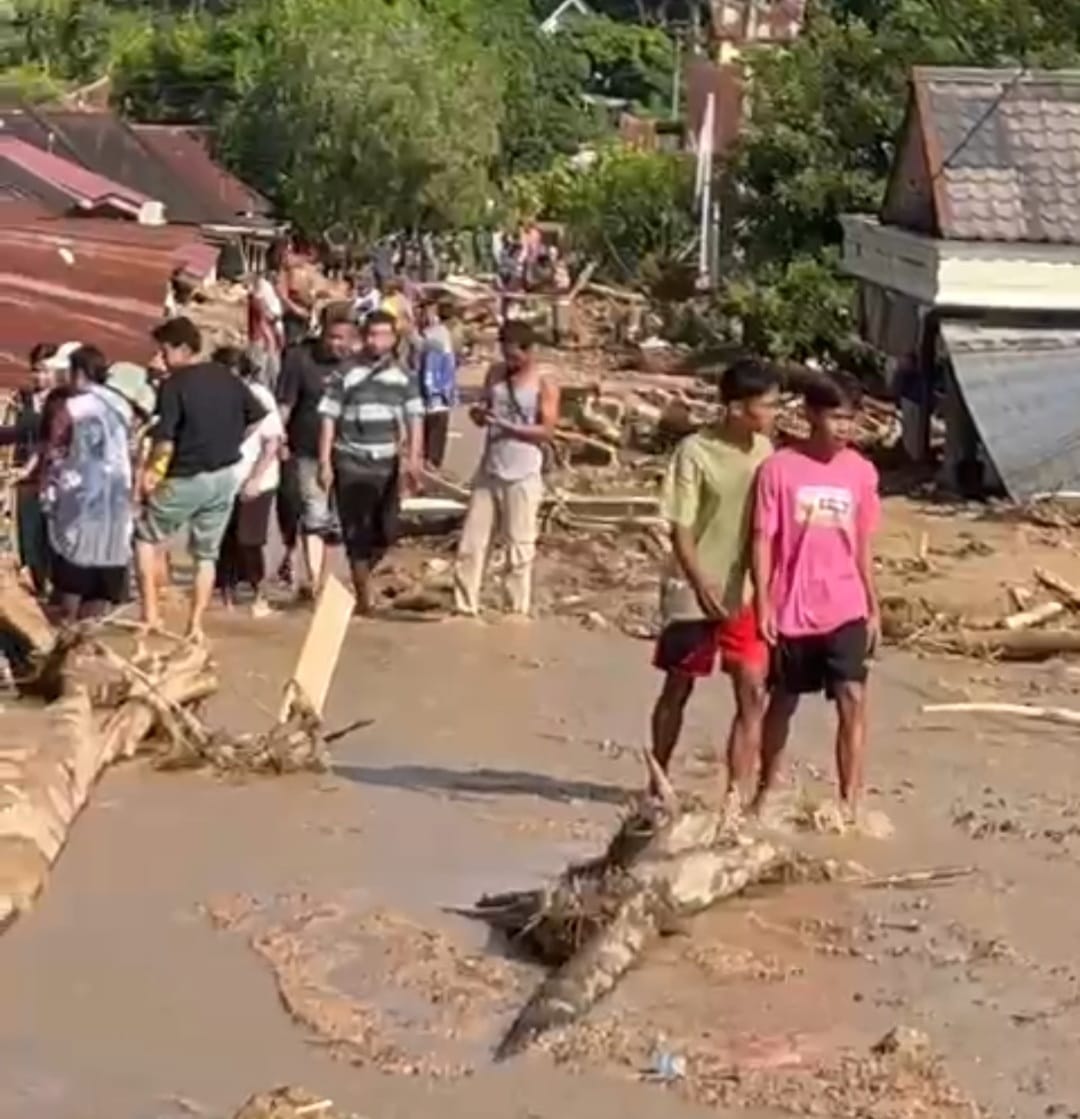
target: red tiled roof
185 150
84 188
95 280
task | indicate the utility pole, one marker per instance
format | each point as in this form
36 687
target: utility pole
676 77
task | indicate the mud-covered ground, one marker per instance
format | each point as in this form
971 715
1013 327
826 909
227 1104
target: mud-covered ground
202 939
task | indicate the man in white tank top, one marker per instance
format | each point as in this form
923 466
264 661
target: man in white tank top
519 413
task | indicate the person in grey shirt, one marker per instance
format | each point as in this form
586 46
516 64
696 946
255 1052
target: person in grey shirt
519 412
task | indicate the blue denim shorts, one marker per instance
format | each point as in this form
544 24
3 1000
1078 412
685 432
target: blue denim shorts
202 503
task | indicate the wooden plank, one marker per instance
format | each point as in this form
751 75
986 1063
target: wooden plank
319 656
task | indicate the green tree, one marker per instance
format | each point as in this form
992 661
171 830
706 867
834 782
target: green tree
625 60
629 211
367 115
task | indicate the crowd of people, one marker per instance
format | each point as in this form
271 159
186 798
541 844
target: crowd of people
331 424
330 431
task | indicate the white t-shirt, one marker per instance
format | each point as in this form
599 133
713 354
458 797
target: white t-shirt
269 427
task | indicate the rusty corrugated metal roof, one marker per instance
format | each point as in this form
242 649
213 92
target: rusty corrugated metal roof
93 280
77 186
185 150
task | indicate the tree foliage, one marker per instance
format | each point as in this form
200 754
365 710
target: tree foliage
629 211
363 115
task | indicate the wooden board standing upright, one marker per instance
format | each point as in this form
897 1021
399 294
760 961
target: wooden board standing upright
319 656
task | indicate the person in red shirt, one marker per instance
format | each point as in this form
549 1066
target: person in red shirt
816 510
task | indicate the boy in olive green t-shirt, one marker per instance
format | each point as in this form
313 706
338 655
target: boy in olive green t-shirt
705 595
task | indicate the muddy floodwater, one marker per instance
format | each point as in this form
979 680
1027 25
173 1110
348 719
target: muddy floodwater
203 939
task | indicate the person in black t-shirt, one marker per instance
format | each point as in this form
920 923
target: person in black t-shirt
305 372
204 415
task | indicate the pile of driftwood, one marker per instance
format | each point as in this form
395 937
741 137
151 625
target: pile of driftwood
651 414
93 696
1023 634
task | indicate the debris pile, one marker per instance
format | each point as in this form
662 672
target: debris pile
1018 635
290 1103
113 690
667 861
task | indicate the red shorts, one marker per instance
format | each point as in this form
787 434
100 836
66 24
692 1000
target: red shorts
690 648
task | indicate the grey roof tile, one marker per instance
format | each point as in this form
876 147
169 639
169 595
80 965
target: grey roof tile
1011 151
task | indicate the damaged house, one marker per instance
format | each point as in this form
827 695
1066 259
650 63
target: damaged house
969 278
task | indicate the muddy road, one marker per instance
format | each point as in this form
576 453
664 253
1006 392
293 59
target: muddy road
202 939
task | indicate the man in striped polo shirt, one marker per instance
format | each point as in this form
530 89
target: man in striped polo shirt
370 447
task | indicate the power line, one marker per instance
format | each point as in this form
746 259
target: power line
983 119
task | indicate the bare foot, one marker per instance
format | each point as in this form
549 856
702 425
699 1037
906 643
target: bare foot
732 814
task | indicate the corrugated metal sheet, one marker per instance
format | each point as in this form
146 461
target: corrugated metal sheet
80 186
186 151
102 142
93 280
1022 388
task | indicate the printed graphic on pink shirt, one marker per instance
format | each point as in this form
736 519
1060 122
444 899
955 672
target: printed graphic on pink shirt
826 506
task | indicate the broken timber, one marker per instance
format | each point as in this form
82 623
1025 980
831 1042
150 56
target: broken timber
108 703
51 756
665 863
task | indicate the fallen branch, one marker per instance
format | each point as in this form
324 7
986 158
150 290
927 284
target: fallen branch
1020 645
1035 616
1062 715
1066 591
914 879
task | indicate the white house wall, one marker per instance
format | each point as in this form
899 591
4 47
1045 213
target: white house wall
960 274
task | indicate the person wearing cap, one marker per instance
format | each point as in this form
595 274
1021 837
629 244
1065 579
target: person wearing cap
87 490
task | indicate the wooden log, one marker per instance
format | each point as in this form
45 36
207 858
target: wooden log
1022 645
48 783
21 614
665 889
584 450
1035 616
1064 590
1062 715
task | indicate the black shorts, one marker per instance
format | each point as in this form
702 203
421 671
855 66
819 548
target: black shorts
804 665
368 506
91 584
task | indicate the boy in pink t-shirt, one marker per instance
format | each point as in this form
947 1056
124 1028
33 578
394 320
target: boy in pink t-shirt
816 511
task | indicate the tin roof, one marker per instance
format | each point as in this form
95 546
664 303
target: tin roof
95 280
185 150
61 184
1021 388
999 153
101 142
